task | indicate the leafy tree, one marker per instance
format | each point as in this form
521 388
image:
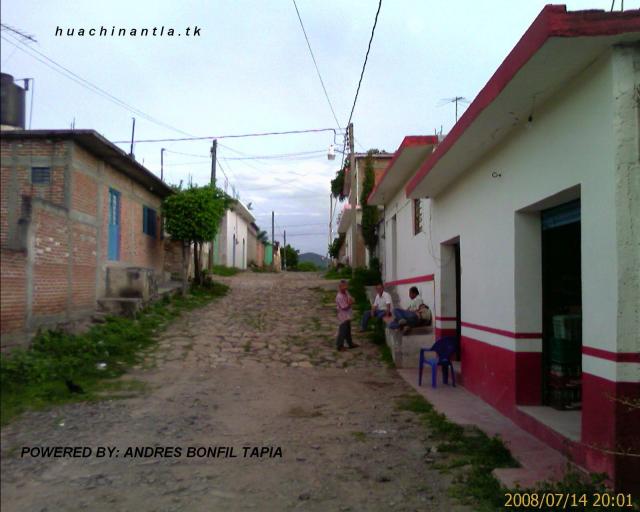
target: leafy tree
262 236
336 245
291 255
370 213
193 215
337 184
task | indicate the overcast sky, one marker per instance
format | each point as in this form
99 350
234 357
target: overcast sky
250 71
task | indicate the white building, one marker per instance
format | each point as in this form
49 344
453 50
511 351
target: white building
402 232
531 222
232 243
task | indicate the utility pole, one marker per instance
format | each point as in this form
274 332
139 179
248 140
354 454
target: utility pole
354 202
214 159
214 151
133 132
284 252
330 222
162 164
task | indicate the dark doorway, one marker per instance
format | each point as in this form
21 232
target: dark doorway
456 248
561 306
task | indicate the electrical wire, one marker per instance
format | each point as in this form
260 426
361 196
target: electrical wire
364 65
326 94
67 73
232 136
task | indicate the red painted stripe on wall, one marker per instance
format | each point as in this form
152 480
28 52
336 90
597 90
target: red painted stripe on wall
619 357
446 318
509 334
411 280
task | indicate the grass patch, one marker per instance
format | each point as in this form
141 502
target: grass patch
465 447
359 436
475 455
341 273
221 270
35 378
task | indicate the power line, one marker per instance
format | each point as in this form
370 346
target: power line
326 94
364 65
232 136
67 73
20 33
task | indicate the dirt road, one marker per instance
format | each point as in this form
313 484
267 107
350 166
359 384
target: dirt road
257 368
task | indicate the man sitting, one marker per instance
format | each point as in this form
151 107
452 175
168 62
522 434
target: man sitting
381 307
417 312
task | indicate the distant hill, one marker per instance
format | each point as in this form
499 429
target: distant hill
319 261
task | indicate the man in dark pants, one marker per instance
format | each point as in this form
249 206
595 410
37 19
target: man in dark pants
345 313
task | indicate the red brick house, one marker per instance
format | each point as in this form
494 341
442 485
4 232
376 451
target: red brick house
74 207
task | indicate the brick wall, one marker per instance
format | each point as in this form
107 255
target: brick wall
67 235
13 299
50 262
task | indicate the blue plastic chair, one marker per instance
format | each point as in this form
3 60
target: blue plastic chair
445 348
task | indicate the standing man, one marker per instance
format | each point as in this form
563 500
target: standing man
381 307
345 313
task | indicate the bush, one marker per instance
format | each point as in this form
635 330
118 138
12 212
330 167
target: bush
307 266
342 272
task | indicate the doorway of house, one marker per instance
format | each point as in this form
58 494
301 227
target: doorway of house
561 307
451 290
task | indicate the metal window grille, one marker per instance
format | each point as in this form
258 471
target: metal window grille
417 216
40 175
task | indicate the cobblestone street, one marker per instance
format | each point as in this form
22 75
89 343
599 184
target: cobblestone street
256 368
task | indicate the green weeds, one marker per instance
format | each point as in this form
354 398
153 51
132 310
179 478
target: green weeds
35 378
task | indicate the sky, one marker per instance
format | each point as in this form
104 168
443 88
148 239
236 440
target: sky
249 71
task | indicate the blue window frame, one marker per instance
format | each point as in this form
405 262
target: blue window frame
149 221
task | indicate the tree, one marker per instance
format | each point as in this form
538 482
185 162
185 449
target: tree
337 184
262 236
291 255
192 216
336 245
370 213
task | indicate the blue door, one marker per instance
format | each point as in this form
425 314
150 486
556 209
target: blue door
114 224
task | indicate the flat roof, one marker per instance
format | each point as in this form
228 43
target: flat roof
557 46
102 148
410 155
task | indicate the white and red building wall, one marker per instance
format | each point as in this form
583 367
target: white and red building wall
557 122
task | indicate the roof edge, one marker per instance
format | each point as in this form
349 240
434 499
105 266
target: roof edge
553 21
407 142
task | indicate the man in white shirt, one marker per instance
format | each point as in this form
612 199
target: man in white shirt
409 316
381 307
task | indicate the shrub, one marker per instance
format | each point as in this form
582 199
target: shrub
307 266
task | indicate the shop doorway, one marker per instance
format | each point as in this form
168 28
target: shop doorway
561 307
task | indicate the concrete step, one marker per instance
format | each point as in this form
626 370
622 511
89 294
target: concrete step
124 306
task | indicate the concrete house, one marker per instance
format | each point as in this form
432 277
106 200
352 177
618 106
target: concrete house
79 220
350 222
531 212
232 242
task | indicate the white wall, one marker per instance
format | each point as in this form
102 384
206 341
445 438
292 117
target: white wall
411 252
238 226
569 144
